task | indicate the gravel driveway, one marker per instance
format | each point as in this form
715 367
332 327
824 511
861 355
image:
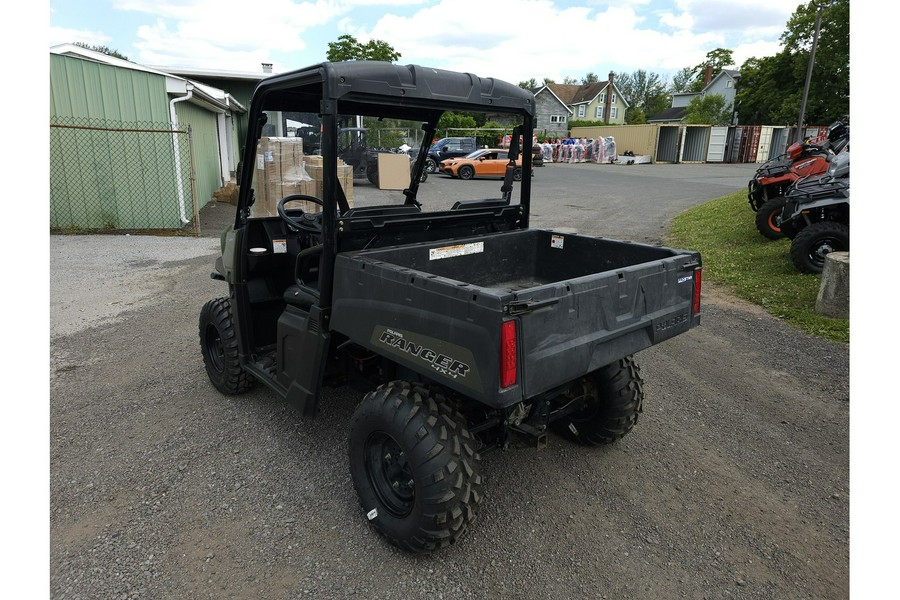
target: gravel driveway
734 484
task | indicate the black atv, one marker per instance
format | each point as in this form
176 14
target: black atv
816 216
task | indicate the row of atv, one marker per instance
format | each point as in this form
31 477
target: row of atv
804 195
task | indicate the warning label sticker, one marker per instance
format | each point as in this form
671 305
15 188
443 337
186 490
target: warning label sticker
557 241
451 251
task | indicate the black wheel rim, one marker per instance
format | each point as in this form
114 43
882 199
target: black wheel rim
389 474
215 349
822 248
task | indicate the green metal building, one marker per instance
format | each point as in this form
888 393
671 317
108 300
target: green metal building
132 147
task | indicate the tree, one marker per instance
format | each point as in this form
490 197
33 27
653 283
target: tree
102 49
589 78
708 110
346 47
569 80
452 120
635 116
528 85
681 81
770 88
645 91
717 60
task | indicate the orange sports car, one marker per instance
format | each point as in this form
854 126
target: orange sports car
487 162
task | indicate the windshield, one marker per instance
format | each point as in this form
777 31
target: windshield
376 158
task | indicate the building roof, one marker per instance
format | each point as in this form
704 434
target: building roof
670 114
205 94
552 93
570 94
216 73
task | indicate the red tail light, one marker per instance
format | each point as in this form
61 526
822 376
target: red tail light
508 356
697 285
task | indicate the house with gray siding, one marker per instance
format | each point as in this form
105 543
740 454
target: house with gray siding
599 101
724 84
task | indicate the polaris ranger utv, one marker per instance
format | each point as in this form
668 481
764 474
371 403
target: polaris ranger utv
469 330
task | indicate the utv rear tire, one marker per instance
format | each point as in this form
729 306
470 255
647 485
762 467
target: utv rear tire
615 396
414 466
218 344
768 218
814 242
466 172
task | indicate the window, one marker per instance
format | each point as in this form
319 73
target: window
729 83
598 114
603 97
613 112
613 101
581 110
557 118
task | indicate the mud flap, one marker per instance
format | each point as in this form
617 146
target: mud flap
302 347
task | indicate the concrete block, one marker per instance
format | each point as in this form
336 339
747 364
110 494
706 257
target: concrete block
834 291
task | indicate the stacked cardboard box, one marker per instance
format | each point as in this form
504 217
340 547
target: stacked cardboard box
282 170
314 167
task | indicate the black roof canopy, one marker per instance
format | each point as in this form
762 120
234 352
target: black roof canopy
364 87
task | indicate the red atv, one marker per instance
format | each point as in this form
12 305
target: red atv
767 188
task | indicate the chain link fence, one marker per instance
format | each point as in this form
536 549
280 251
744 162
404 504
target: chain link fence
121 176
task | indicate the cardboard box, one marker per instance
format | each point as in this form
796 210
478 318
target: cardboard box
282 170
393 171
279 172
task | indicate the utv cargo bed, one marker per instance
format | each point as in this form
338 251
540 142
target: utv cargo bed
579 303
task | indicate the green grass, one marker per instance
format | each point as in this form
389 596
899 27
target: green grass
754 268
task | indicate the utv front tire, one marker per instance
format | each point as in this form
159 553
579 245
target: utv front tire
414 467
814 242
613 397
218 344
768 218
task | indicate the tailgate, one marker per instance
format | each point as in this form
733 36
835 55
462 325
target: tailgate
574 327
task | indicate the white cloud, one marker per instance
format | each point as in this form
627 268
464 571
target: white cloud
64 35
584 39
761 17
206 33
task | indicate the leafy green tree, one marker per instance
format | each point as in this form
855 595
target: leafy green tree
569 80
589 78
346 47
717 59
708 110
681 81
529 85
770 89
102 49
452 120
645 91
635 116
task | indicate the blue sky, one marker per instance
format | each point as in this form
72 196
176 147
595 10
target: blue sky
509 39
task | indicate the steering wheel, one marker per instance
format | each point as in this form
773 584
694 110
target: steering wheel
307 221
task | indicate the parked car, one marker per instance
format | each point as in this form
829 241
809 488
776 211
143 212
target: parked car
487 162
448 147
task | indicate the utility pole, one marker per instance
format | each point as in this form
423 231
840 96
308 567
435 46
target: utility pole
809 69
